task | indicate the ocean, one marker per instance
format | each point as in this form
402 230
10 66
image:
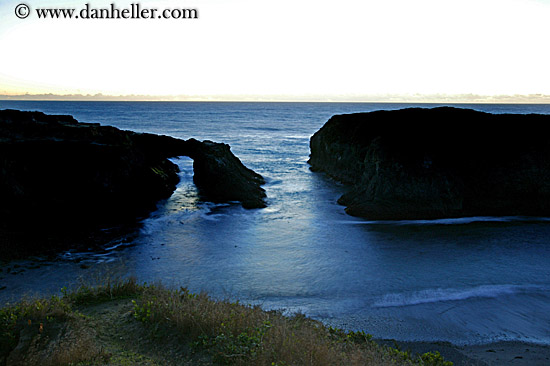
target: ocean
467 280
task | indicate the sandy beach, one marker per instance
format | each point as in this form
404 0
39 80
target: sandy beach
491 354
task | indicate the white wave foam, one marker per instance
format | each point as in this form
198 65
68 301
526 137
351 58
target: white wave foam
454 221
155 224
205 211
451 294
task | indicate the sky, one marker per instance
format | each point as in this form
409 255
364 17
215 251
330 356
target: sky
296 49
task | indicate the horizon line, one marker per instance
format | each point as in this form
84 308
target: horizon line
321 98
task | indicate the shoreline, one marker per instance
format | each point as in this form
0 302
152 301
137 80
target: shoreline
486 354
509 352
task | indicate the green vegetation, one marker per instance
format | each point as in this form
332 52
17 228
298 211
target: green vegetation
122 322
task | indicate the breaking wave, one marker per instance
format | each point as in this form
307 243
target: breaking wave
451 294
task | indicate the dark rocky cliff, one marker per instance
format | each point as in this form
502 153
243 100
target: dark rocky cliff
421 163
57 172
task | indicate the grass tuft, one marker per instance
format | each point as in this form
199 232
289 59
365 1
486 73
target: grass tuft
44 332
104 290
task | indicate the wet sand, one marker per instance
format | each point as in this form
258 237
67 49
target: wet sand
491 354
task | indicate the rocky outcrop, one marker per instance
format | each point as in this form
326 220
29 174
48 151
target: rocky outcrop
55 171
442 162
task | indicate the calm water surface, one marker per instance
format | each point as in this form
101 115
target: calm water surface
465 280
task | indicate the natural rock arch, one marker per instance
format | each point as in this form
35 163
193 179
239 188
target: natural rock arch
57 170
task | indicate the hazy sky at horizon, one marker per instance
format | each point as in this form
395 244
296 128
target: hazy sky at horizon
488 47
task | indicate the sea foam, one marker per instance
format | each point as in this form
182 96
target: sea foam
452 294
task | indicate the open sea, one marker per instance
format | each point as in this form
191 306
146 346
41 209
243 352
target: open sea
468 280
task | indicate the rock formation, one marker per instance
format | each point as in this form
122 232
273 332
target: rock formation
55 170
420 163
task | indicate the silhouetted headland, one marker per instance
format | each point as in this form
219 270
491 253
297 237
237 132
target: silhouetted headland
58 173
419 163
